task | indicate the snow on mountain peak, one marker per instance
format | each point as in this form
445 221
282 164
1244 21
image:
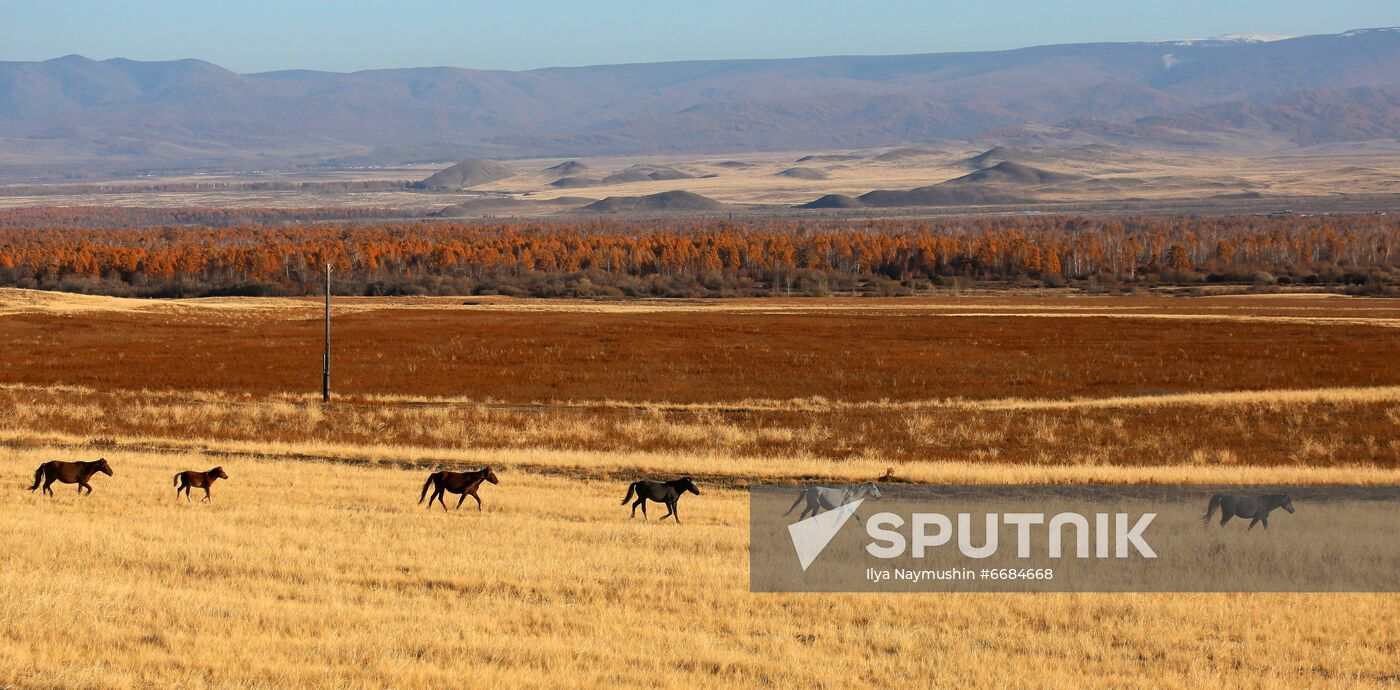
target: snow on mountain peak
1233 38
1362 32
1250 38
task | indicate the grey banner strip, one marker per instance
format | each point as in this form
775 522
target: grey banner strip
1074 538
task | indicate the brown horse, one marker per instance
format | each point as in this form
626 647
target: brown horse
463 483
199 480
69 473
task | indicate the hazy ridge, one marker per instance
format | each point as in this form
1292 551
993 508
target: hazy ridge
83 117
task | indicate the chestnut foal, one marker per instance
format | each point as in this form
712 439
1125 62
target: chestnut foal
199 480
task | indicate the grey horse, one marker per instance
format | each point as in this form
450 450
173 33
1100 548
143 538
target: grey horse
1255 507
821 498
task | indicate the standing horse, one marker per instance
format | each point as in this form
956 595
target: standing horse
821 498
463 483
69 473
199 480
1256 507
661 492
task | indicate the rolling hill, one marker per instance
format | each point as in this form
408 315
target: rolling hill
662 202
468 173
1006 182
801 173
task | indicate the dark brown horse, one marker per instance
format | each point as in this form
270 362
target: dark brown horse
1256 508
69 473
199 480
668 493
464 483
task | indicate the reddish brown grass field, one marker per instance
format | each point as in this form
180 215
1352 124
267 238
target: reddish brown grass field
843 380
895 349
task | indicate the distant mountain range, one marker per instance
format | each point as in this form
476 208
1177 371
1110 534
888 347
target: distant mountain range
81 117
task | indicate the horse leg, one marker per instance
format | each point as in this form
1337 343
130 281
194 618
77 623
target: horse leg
643 503
48 485
478 502
84 485
459 501
670 510
1225 517
1252 523
1265 520
207 497
187 493
438 495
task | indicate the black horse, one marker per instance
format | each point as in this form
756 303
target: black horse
1255 507
464 483
661 492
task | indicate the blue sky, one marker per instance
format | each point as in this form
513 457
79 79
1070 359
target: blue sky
259 35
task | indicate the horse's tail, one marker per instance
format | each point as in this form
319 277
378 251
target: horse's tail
176 479
631 489
798 502
426 484
1210 511
38 477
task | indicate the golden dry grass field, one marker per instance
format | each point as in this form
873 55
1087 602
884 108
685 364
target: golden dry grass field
315 567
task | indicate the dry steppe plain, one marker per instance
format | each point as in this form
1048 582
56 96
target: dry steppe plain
1351 177
315 566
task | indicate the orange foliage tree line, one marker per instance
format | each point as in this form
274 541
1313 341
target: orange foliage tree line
768 253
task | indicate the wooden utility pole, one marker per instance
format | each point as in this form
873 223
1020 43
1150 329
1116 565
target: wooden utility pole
326 355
